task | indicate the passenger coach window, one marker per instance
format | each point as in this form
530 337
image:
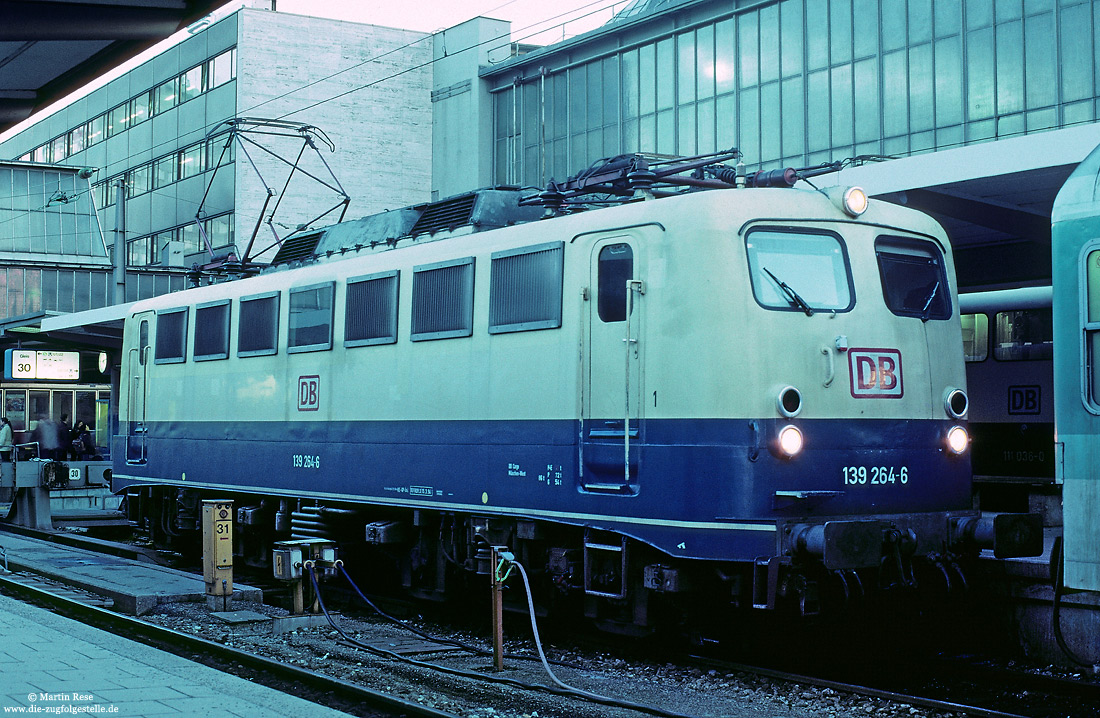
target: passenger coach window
799 271
1092 329
525 288
443 300
371 314
258 325
310 327
1023 334
975 331
914 283
171 339
616 268
212 331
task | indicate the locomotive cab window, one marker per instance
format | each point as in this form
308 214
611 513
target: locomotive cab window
310 326
371 310
212 331
171 338
615 269
258 325
799 271
914 283
443 300
525 288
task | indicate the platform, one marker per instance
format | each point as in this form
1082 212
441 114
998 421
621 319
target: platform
135 586
51 662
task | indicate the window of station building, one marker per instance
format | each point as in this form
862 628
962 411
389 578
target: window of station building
258 325
38 407
192 160
191 84
615 266
975 332
1023 334
212 331
139 181
15 408
525 288
117 119
310 321
164 171
141 108
171 338
78 139
443 300
914 283
42 154
165 95
799 271
221 69
96 129
59 148
370 316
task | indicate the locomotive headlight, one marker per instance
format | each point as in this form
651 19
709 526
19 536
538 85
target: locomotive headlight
957 440
790 440
855 201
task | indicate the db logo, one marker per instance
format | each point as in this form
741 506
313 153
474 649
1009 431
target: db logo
309 393
875 373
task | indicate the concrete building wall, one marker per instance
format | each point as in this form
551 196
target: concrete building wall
377 114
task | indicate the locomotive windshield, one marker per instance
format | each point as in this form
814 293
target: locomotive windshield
799 271
914 283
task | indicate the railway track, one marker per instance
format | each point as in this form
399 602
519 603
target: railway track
319 688
949 687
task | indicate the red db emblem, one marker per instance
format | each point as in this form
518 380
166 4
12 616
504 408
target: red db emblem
309 393
875 373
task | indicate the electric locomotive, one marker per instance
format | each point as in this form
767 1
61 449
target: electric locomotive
691 400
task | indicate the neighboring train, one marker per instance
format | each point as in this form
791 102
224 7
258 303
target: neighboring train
734 397
1075 267
1008 345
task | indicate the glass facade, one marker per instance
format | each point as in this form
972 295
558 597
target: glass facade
47 211
798 82
28 290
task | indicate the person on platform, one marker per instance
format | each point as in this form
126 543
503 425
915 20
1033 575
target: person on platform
7 443
52 438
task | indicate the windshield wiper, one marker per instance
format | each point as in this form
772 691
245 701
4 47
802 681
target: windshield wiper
928 303
792 296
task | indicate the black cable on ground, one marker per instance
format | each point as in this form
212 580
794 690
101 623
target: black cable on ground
573 693
1058 563
477 650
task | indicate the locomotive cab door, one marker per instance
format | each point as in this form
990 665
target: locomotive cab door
612 428
137 363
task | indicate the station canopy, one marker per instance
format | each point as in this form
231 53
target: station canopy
49 48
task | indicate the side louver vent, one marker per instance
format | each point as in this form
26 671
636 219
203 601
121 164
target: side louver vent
295 248
445 215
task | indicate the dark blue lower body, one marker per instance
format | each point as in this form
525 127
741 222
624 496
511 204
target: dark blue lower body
707 489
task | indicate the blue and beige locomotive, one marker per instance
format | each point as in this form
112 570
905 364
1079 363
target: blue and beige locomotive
715 398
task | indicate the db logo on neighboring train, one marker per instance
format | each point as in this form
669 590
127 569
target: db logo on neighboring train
875 373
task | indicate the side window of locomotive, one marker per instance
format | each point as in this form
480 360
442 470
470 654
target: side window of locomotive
212 331
310 325
799 271
975 333
258 325
525 288
914 283
615 268
143 341
371 310
443 300
171 339
1023 334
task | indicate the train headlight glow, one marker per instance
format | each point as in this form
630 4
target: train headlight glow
957 440
790 440
855 201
